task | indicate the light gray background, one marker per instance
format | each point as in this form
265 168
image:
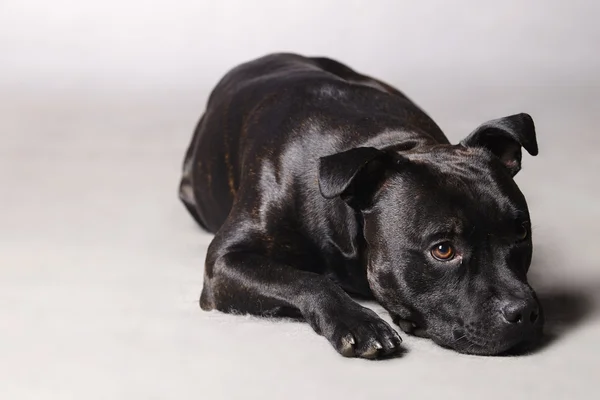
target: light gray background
101 267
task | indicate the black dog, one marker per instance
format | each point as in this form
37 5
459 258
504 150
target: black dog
320 182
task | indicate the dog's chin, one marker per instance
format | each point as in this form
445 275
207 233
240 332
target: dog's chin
476 346
463 342
468 344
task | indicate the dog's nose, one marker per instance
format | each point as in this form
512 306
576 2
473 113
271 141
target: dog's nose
521 312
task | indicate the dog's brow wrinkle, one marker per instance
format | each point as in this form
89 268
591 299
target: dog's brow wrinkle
450 226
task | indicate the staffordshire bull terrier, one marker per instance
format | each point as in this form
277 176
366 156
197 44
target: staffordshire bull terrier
321 183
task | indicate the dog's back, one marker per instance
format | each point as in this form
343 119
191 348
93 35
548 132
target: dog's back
255 108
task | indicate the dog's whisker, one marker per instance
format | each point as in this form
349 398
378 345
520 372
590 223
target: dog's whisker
460 338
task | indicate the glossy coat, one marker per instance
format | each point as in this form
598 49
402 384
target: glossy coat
320 183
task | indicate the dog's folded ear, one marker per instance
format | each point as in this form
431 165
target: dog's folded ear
504 137
354 175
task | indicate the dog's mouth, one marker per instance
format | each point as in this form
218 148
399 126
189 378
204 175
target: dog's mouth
467 343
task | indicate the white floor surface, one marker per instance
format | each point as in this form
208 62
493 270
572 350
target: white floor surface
101 266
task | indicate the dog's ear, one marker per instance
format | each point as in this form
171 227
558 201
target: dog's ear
354 175
504 137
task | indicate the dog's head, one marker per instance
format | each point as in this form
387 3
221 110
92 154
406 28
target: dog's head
448 235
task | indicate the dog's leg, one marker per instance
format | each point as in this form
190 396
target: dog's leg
247 282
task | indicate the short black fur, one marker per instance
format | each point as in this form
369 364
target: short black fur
320 183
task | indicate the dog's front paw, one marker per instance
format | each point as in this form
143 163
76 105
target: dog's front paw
361 333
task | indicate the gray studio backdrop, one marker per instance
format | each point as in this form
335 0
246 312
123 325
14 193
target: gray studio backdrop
185 42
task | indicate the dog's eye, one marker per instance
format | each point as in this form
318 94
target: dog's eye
443 251
522 231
